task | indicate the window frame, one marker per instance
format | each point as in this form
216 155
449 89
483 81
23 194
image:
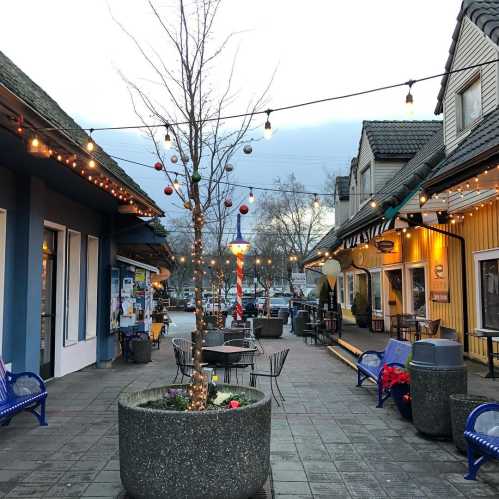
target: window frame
350 289
379 272
341 289
478 257
408 289
460 128
365 196
68 341
95 303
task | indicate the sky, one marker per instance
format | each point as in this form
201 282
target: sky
77 52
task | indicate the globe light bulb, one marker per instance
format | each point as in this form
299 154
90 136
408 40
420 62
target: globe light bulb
316 203
409 100
35 142
373 204
90 144
91 163
251 197
267 131
168 140
176 184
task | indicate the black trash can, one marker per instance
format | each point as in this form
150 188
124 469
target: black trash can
141 350
300 322
437 371
283 314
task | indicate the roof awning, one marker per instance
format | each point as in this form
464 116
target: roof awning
369 233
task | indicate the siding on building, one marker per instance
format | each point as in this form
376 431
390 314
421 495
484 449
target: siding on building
473 47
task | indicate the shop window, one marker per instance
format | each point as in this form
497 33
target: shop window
340 284
376 290
351 290
72 316
365 184
418 291
469 104
92 280
3 240
489 288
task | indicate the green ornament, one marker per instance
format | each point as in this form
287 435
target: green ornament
196 177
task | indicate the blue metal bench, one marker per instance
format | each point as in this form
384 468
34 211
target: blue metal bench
482 437
370 365
21 392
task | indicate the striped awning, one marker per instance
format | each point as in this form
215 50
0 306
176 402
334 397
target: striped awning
369 233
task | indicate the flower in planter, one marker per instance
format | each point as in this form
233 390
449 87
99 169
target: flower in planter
234 404
393 375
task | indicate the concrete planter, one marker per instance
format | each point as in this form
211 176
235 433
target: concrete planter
189 455
271 328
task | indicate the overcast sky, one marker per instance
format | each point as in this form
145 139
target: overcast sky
319 48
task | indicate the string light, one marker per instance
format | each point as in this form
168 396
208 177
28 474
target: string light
90 144
373 203
168 140
176 184
35 142
409 99
267 131
423 198
251 197
315 202
91 164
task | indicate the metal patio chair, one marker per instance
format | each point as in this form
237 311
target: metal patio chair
276 361
245 359
182 349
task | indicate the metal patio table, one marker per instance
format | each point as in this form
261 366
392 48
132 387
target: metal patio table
224 356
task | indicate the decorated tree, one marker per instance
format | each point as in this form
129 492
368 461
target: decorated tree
188 104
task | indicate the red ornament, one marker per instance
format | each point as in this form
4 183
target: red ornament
158 166
168 190
228 202
243 209
234 404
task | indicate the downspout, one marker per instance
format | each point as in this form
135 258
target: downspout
369 295
464 284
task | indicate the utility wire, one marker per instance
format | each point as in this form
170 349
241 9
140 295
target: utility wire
409 83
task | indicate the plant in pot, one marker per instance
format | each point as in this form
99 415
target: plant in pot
360 309
397 380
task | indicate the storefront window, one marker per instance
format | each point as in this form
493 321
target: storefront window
376 290
350 288
418 291
489 282
341 289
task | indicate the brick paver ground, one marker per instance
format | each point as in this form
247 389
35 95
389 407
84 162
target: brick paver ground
328 439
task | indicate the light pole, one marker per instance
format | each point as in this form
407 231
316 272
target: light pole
239 248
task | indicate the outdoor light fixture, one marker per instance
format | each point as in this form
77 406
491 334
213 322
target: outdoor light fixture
168 140
422 198
267 131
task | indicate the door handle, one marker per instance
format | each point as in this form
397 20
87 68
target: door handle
47 315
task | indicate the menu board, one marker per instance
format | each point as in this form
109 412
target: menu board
115 300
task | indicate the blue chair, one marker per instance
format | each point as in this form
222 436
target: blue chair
482 436
371 363
21 392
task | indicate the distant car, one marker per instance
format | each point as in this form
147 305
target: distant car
249 308
190 305
282 294
260 304
278 303
212 306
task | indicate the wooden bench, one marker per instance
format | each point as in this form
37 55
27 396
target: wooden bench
482 436
371 363
21 392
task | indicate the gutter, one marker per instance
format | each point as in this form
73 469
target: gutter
464 283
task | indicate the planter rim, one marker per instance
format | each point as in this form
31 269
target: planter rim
469 397
124 401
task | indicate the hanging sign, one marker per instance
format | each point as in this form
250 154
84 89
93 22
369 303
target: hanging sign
439 272
299 279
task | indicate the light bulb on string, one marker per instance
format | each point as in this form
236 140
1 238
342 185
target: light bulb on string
373 203
251 197
267 131
90 144
176 183
168 140
409 99
315 202
35 142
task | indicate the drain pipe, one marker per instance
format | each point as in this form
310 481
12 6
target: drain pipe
369 295
464 284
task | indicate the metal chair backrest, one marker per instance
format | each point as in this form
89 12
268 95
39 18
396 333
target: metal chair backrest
277 361
213 338
406 320
3 382
448 333
182 344
432 327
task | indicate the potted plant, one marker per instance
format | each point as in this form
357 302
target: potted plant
360 309
397 380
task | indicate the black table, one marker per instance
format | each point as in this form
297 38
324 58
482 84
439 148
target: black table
489 335
224 356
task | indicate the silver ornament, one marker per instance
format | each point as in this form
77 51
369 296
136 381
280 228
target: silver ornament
247 149
229 167
174 159
185 158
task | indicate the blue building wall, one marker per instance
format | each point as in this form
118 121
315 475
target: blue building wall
29 202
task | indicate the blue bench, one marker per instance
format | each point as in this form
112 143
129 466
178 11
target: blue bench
21 392
482 436
370 365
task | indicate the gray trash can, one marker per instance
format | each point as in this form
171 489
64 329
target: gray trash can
142 350
437 371
283 314
300 321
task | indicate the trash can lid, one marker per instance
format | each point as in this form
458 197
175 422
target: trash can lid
437 353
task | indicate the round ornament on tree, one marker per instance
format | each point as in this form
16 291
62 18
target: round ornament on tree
196 177
158 166
174 158
229 168
243 209
247 149
168 190
228 202
187 205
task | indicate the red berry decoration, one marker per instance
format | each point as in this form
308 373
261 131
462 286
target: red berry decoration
168 190
158 166
243 209
228 203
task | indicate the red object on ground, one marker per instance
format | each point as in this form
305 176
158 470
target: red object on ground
394 376
234 404
158 166
243 209
168 190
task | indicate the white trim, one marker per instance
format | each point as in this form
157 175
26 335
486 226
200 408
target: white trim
91 290
3 245
72 301
141 265
479 256
349 304
408 292
386 288
342 275
377 270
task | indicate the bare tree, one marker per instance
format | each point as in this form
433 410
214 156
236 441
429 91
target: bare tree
190 110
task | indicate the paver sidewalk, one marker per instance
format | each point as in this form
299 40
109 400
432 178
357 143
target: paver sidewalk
328 439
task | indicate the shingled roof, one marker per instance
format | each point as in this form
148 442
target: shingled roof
485 15
402 184
480 145
328 243
341 188
398 139
17 82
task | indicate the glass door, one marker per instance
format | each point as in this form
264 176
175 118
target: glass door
47 327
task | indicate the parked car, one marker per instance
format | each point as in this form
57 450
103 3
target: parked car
212 306
249 308
190 305
260 305
278 303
